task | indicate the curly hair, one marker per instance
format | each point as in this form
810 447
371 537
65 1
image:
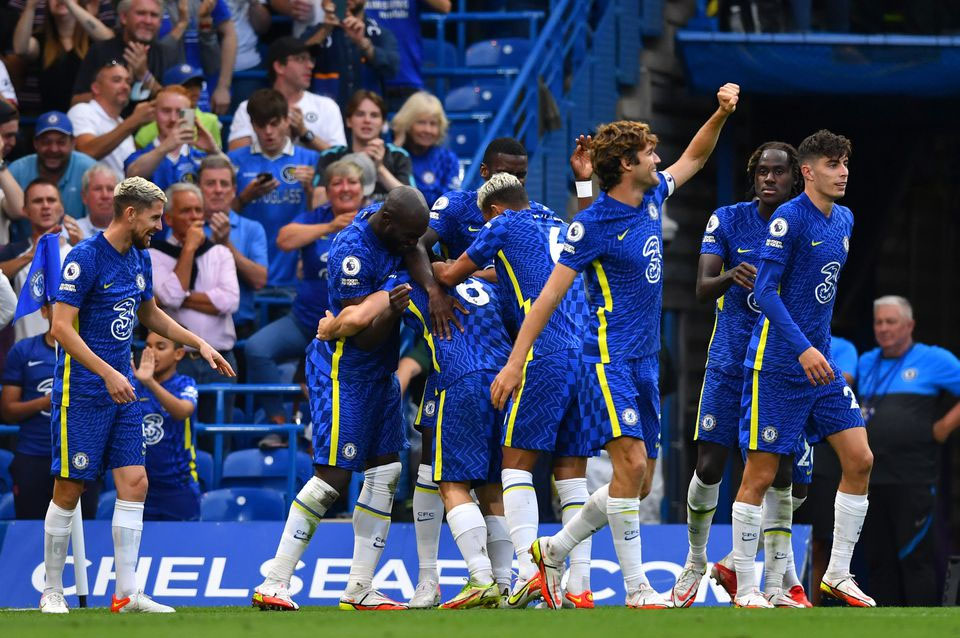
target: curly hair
792 159
615 141
823 143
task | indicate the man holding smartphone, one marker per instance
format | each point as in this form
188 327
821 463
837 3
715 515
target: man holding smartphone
274 179
180 145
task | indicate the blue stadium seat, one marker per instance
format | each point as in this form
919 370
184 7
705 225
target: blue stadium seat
242 504
509 52
7 513
253 468
463 138
205 470
476 97
105 505
438 54
6 481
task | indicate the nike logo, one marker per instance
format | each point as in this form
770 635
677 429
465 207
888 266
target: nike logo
817 243
631 534
301 535
623 234
105 286
424 516
379 543
473 230
30 364
744 250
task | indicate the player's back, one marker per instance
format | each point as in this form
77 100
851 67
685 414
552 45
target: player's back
619 249
483 344
457 219
107 287
359 265
525 246
171 455
735 233
812 249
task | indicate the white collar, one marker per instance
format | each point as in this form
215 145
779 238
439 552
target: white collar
99 107
286 150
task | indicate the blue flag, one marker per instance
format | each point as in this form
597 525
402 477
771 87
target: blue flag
43 280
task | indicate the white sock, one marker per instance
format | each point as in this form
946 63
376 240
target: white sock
500 549
573 495
623 515
371 523
127 529
849 510
309 506
427 521
790 578
591 518
56 539
470 532
701 506
776 523
746 536
523 516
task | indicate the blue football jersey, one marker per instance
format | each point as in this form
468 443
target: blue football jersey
108 288
278 207
483 344
525 246
457 219
171 453
312 296
735 234
169 172
359 265
30 365
620 250
813 249
436 172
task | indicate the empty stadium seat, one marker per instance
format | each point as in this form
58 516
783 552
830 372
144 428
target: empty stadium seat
253 468
476 97
437 54
508 52
105 505
464 138
6 481
242 504
205 470
7 513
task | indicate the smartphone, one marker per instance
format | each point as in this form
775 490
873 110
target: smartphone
340 9
188 118
263 178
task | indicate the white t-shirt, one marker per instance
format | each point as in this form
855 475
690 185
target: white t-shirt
247 54
6 86
321 115
87 227
90 118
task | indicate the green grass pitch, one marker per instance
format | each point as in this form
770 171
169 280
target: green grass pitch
610 622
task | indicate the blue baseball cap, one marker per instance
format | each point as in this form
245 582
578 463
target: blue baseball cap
53 121
181 74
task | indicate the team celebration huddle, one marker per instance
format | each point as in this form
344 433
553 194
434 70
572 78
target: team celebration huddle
544 338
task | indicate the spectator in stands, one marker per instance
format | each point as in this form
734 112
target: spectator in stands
352 54
137 47
180 145
170 399
100 131
7 91
27 381
58 49
202 48
97 191
274 178
195 281
43 210
55 161
402 18
899 386
315 120
11 194
103 10
8 304
420 127
312 234
244 238
252 19
191 79
366 114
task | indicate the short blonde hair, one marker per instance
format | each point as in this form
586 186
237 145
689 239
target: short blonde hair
501 186
418 104
137 192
